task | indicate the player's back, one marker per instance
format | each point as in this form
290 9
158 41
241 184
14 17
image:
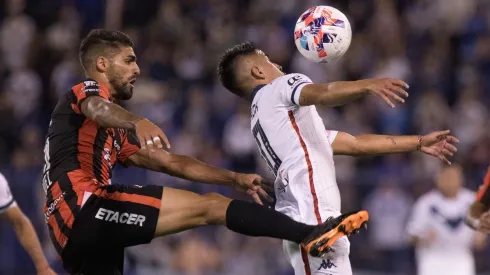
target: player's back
296 147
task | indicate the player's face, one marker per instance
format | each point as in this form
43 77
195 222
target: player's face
271 69
122 73
450 181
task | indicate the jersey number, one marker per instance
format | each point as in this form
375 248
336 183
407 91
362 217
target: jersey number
46 182
265 148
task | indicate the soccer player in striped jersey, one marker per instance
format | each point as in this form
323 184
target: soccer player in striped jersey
91 221
10 211
299 149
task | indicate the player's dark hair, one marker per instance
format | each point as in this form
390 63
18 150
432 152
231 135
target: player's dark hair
227 66
99 42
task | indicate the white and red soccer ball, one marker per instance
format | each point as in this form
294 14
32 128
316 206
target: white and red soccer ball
322 34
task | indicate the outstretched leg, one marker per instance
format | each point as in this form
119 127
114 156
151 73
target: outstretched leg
181 210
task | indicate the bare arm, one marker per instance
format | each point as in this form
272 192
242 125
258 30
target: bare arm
181 166
342 92
437 144
479 240
28 238
189 168
370 145
476 217
109 115
478 220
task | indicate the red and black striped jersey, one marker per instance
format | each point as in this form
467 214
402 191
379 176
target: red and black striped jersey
483 194
77 142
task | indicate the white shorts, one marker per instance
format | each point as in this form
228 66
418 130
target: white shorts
336 263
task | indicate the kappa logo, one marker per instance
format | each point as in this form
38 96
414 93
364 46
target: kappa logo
326 264
116 217
283 184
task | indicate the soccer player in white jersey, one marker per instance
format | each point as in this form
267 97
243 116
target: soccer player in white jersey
442 240
299 150
23 228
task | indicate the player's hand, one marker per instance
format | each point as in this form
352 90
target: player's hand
387 89
46 271
426 239
440 145
255 186
150 135
484 225
429 238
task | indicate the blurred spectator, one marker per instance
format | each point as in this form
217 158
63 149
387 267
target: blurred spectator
469 108
238 141
389 207
23 89
16 34
63 35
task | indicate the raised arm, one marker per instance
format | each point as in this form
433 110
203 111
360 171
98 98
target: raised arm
109 115
189 168
342 92
437 144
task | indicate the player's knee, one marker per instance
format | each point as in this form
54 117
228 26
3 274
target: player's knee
215 208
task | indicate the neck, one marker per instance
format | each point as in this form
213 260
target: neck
450 195
102 80
254 91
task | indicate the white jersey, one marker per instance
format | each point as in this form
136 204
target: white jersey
450 253
6 198
296 146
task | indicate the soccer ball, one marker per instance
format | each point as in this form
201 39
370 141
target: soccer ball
322 34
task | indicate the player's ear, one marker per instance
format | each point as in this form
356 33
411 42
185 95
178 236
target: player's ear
101 63
257 73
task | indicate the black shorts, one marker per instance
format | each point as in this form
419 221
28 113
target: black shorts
111 218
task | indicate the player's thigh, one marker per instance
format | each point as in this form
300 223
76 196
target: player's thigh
124 215
181 210
304 264
110 219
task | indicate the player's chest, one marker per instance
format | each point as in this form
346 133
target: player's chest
111 145
448 216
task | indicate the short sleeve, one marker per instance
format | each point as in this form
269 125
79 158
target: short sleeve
291 85
89 88
331 135
418 220
6 198
130 146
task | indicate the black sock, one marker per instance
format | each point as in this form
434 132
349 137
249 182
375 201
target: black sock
255 220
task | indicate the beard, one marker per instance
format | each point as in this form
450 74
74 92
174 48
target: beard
124 90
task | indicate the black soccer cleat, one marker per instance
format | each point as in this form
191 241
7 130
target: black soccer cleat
321 239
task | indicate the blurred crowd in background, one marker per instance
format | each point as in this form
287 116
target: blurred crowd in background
441 48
